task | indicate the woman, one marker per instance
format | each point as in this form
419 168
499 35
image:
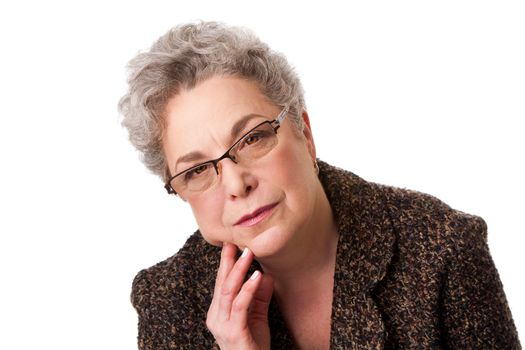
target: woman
328 259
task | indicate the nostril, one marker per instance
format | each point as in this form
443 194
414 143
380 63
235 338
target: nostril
248 189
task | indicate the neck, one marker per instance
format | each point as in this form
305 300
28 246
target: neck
301 264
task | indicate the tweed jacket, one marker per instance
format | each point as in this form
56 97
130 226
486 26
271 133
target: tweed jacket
411 273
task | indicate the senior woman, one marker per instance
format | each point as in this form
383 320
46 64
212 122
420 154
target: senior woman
290 252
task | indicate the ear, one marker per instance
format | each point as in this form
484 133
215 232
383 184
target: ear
307 132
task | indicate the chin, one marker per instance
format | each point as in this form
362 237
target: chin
269 242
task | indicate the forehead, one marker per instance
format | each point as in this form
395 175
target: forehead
200 119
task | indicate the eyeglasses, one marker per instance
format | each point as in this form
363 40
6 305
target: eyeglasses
251 146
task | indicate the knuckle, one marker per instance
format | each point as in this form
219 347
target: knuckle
209 317
237 306
226 291
210 325
214 328
209 321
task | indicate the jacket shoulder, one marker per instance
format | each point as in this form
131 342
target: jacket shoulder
425 213
439 284
419 221
171 297
194 260
429 230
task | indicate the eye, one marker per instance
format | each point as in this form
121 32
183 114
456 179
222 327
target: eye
199 170
254 139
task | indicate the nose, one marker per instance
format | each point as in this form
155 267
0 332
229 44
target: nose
236 179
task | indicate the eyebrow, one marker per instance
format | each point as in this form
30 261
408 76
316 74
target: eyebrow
234 133
241 124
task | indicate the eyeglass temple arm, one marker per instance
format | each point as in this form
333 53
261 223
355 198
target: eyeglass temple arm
281 115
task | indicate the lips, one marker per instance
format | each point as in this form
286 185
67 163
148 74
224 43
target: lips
257 216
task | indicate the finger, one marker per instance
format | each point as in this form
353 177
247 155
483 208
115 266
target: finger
241 304
228 254
232 284
227 261
262 298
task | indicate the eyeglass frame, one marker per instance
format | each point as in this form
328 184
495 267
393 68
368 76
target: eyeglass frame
278 121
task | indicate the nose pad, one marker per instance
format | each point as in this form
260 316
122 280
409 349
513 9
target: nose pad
233 158
225 159
227 155
218 167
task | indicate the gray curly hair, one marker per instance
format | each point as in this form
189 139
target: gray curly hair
186 55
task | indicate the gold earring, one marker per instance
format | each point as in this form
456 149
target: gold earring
316 167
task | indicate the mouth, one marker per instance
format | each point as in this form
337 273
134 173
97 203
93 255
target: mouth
257 216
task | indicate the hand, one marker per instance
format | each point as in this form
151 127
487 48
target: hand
238 314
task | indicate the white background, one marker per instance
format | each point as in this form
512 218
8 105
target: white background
418 94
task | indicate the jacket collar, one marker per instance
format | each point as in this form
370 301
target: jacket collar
366 238
364 251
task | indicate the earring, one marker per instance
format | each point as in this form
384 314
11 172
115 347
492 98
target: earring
316 167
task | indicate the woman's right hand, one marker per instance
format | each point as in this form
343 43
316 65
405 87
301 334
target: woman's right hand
238 314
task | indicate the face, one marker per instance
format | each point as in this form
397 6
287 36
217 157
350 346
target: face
265 206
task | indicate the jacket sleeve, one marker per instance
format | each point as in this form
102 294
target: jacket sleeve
171 300
476 314
153 325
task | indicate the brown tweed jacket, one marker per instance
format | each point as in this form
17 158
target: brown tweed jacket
411 273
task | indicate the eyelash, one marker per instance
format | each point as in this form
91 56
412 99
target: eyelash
189 174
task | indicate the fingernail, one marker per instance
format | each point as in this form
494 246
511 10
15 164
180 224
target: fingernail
244 252
255 275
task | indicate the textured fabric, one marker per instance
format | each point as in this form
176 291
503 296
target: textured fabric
411 273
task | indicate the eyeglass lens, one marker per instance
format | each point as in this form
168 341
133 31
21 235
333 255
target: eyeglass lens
254 145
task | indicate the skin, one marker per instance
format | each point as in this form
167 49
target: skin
295 244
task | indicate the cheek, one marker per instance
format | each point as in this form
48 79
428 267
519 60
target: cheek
296 161
296 175
208 214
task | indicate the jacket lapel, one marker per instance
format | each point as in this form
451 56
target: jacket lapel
365 249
